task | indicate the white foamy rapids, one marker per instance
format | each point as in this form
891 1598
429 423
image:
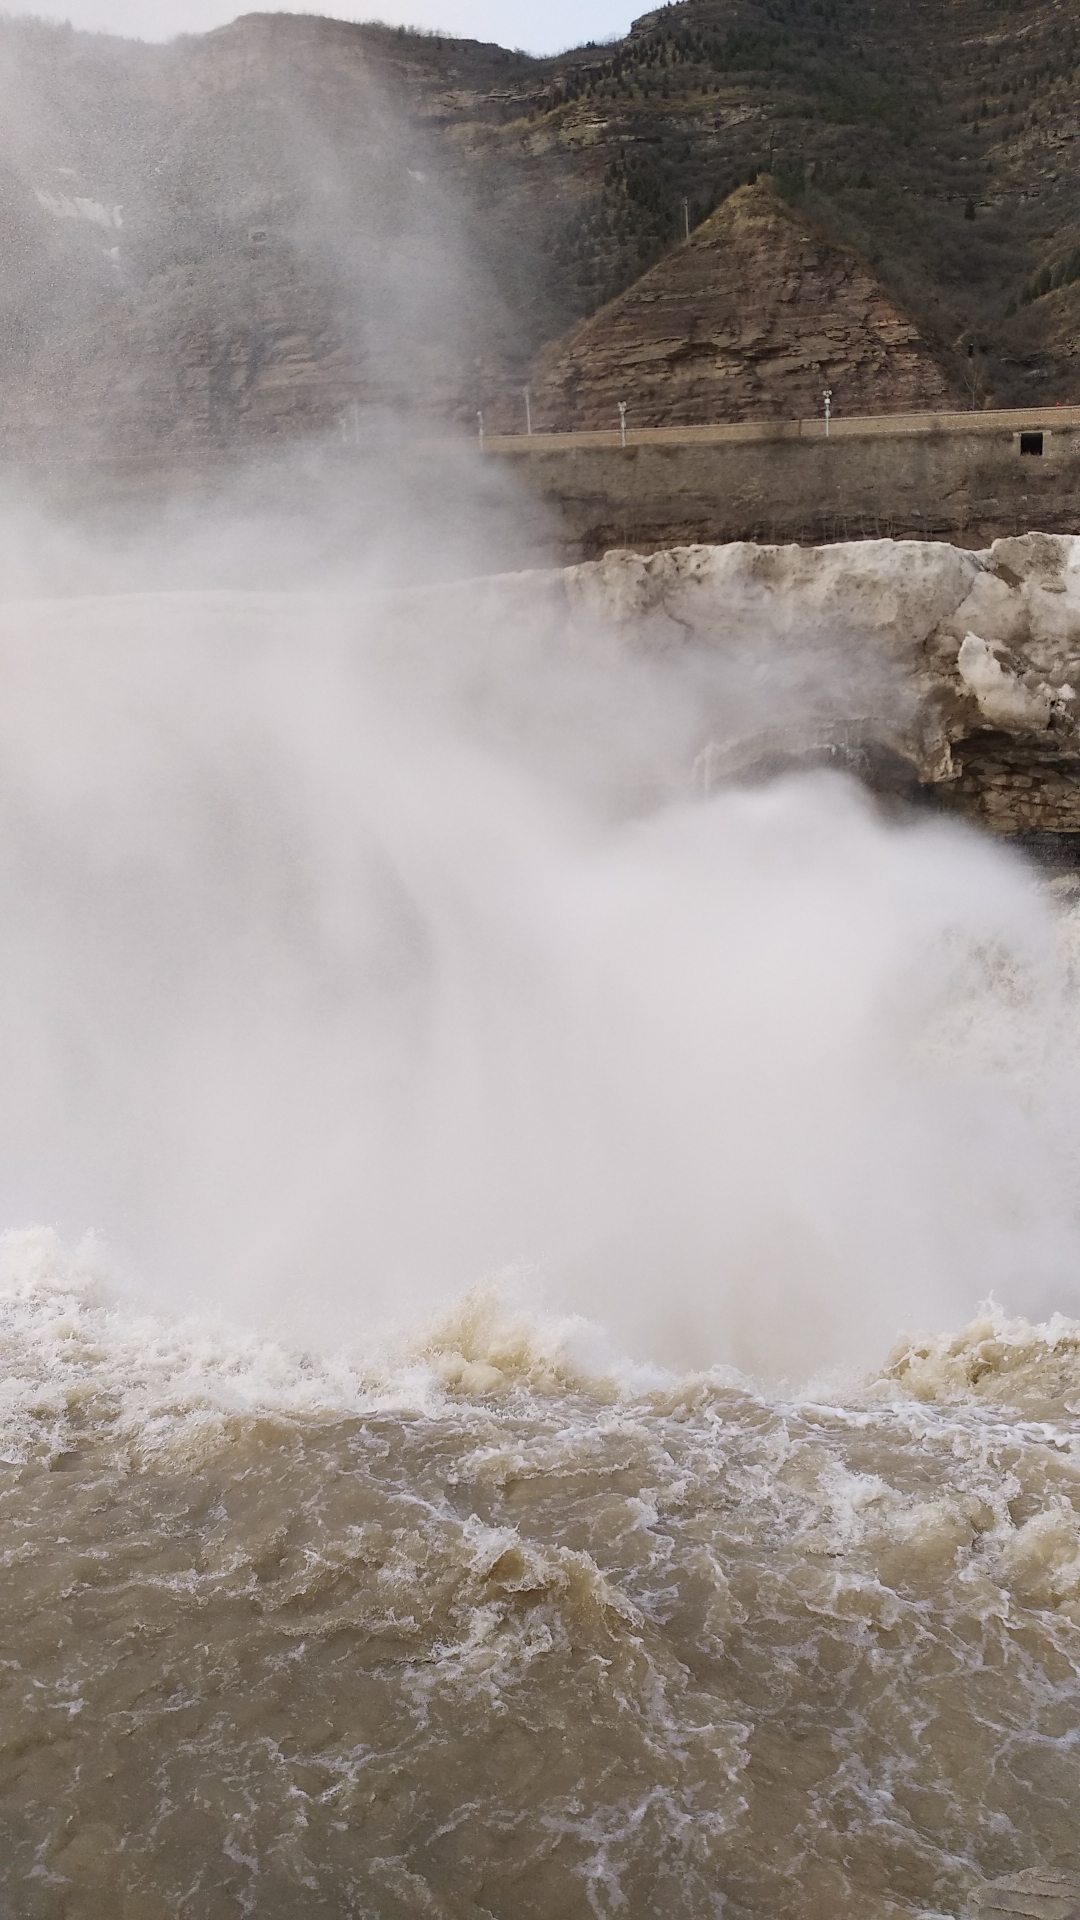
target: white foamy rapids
81 1353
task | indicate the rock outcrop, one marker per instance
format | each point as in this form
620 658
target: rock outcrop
937 675
919 665
236 238
751 319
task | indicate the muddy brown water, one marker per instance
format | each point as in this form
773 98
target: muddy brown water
549 1649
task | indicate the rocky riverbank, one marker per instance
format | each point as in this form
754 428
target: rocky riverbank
936 674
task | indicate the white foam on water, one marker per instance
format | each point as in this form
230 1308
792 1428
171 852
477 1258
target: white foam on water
82 1351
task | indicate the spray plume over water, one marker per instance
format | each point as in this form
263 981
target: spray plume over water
330 990
469 1109
496 1416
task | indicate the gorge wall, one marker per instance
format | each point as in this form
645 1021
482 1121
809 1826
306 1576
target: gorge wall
748 320
230 242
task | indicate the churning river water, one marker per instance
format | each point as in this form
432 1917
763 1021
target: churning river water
670 1572
276 1643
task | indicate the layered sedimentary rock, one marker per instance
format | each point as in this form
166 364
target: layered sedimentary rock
229 241
429 212
751 319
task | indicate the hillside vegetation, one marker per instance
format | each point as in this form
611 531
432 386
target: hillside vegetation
937 139
246 233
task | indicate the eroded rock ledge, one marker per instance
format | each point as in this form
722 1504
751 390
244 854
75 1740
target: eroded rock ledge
941 676
955 675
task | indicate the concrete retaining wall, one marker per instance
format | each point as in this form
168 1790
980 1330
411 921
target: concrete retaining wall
967 481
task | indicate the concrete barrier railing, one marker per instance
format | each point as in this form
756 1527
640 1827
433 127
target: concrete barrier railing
1005 421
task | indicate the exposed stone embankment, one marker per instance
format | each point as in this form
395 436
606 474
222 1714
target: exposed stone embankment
910 660
941 478
933 672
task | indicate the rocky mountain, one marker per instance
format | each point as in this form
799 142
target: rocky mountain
248 235
750 319
230 239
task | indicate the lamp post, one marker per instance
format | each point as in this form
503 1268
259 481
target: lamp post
827 397
528 411
622 421
480 424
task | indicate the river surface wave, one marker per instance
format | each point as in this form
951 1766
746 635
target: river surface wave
470 1633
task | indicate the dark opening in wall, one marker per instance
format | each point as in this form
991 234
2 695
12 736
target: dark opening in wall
1031 443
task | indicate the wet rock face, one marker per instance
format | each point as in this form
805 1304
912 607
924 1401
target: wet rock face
953 675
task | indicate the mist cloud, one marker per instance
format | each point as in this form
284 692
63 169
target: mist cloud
359 946
537 29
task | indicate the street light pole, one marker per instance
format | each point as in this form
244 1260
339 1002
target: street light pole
480 423
622 421
827 397
528 411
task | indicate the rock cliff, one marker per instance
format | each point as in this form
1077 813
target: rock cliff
239 237
936 675
750 319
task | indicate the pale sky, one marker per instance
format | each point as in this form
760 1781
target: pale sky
544 26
